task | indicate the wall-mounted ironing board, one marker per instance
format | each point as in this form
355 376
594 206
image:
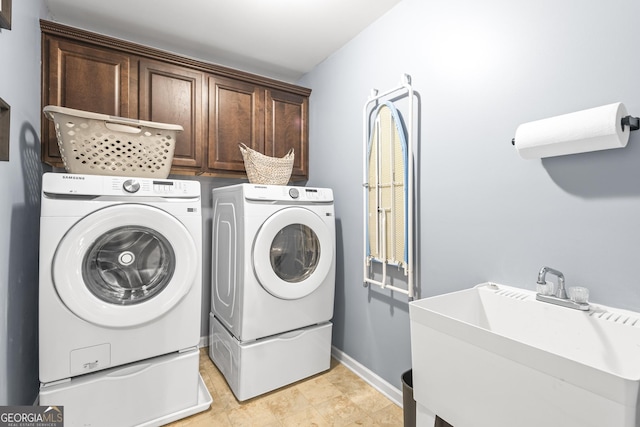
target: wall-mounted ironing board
388 188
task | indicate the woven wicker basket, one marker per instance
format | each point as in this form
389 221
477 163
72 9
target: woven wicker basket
263 169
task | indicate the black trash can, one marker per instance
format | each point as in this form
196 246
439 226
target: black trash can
408 403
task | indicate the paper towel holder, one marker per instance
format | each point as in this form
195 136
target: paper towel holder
632 122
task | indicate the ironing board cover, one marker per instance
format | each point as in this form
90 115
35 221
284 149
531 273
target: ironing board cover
387 189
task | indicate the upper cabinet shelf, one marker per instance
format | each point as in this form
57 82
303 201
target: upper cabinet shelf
218 107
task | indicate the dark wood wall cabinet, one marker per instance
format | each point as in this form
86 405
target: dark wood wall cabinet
218 107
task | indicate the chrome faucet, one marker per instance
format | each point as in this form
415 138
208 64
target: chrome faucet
560 297
560 292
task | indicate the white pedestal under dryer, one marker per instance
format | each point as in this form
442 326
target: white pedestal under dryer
273 285
119 301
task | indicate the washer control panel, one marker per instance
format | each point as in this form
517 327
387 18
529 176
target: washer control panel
98 185
153 187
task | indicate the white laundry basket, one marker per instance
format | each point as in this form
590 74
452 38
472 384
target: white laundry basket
98 144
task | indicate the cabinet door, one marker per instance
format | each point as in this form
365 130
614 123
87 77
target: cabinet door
287 127
236 114
173 94
85 78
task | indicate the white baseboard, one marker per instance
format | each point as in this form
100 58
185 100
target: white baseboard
392 393
204 341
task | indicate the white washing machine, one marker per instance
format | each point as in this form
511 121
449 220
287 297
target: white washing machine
273 284
120 286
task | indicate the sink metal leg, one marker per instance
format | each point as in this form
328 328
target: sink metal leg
424 417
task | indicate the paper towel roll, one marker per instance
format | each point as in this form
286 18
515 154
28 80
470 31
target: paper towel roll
588 130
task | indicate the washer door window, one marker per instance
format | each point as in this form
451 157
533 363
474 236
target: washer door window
124 265
293 253
128 265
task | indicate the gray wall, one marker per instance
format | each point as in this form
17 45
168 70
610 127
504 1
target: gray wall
481 69
20 206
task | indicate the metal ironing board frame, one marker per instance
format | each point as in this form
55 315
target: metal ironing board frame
375 98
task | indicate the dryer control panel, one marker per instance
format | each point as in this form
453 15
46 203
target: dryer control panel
99 185
282 193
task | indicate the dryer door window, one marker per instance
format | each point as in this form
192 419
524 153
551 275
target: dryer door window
293 253
125 265
128 265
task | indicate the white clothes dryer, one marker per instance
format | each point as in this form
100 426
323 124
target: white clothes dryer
273 285
120 271
273 258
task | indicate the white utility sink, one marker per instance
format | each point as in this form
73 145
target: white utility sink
494 356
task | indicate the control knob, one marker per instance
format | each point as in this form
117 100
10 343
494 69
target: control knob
293 192
131 186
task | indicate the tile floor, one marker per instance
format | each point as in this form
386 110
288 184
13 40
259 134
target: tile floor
337 397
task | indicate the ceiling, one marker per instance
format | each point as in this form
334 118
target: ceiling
279 38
